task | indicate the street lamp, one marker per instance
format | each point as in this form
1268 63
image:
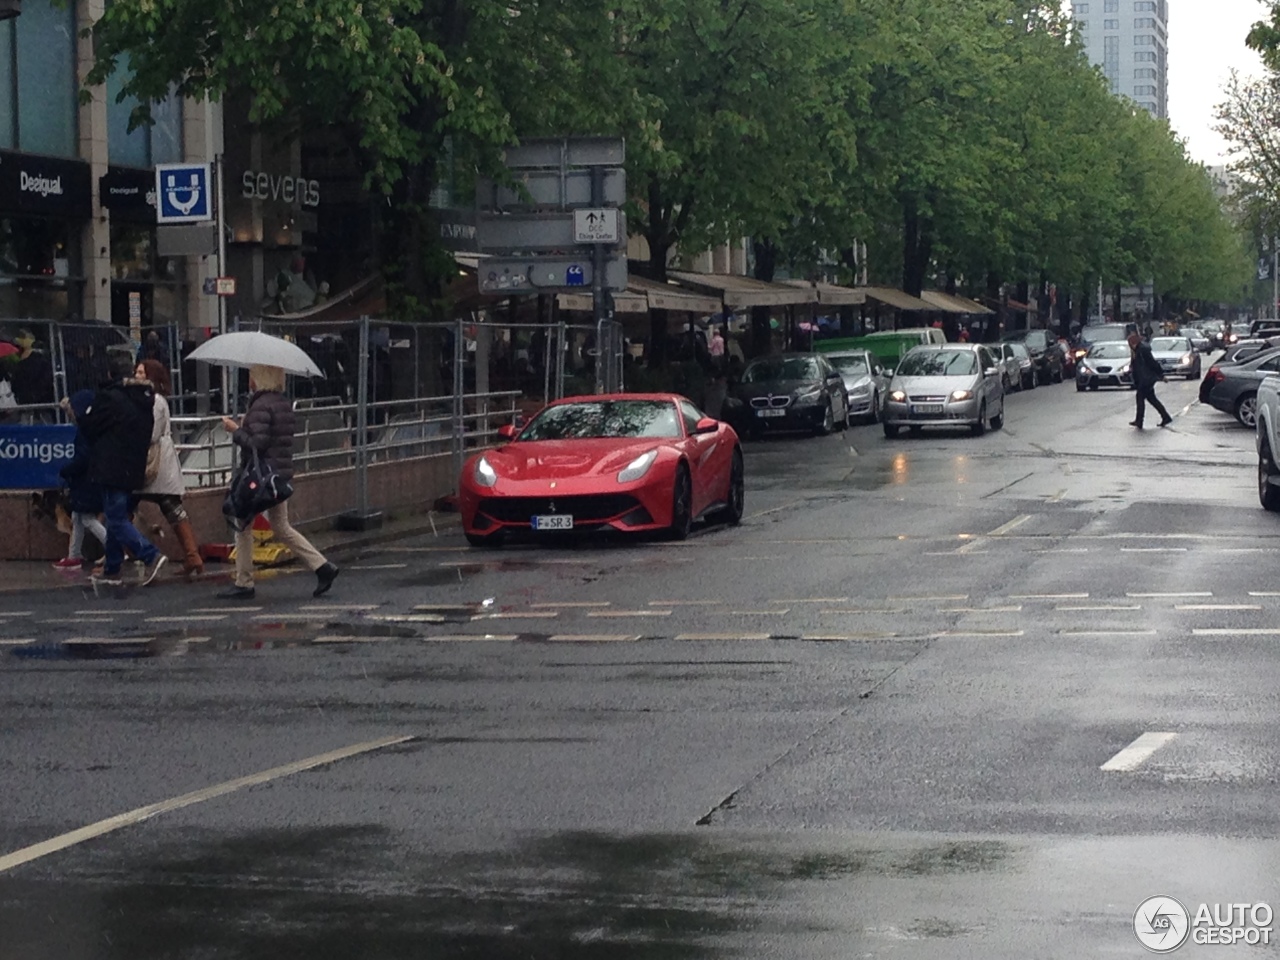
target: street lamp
10 9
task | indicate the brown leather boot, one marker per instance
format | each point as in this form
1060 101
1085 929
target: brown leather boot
192 564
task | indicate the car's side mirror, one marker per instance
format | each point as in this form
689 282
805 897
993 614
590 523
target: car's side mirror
508 431
707 425
890 371
991 371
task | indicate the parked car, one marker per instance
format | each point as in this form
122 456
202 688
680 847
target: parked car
889 346
1105 365
865 382
1198 340
793 391
1010 365
1044 353
626 462
1244 349
1267 434
1260 329
1233 388
1028 373
955 384
1176 356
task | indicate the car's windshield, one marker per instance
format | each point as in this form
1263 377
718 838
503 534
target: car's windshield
1196 334
781 368
939 363
1036 339
604 418
1103 333
854 366
1169 344
1020 351
1110 351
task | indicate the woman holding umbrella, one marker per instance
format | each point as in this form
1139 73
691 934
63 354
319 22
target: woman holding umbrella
268 427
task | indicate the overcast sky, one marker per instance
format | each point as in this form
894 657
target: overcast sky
1206 39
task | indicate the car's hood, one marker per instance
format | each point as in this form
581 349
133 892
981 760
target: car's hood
562 459
775 388
933 386
1106 362
1169 354
856 381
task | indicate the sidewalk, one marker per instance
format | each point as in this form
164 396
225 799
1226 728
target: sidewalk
24 576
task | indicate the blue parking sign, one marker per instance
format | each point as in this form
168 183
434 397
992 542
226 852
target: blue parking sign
183 193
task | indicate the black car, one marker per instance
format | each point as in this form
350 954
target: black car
793 391
1045 355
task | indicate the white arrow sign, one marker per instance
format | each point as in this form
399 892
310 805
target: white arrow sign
596 226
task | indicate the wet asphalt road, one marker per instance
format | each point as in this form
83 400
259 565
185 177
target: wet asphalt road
869 722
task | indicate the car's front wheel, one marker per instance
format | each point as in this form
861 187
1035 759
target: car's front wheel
681 505
979 428
1268 493
828 421
874 415
890 430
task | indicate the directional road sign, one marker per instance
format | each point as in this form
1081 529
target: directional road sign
596 226
183 193
552 232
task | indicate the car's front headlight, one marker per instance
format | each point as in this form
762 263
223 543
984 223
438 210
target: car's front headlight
898 396
812 395
962 395
1186 360
638 467
859 390
1123 370
485 475
1078 354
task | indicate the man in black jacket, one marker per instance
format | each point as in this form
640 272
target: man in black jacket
1146 372
117 427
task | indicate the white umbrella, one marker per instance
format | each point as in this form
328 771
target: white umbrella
252 348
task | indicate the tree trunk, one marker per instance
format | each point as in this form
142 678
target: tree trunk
917 247
766 266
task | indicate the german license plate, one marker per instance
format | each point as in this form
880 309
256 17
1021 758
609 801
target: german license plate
554 521
771 413
927 408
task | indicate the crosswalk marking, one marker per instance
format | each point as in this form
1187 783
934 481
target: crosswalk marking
518 615
593 638
1016 609
1170 596
623 614
1049 596
724 636
979 634
1138 752
189 618
573 605
470 637
1237 632
1218 606
1009 527
1096 607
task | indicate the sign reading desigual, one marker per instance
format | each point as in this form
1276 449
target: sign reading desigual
30 457
1163 924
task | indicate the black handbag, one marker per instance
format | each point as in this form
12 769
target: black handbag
255 487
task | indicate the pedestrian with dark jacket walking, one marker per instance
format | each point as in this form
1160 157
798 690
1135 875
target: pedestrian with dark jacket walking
85 499
117 425
268 427
1146 372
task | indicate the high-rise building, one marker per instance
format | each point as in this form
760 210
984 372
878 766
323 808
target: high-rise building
1129 40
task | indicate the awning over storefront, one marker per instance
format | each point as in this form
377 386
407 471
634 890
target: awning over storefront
896 298
832 295
643 295
624 301
953 304
735 291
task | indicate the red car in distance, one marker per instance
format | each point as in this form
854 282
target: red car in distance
627 462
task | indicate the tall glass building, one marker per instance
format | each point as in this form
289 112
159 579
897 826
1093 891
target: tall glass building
1129 40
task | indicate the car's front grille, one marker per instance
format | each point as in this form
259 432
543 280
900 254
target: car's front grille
760 403
928 398
1102 369
587 508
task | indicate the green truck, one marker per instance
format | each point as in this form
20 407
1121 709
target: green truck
888 346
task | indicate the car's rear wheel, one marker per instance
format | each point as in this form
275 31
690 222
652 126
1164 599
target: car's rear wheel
491 542
890 430
681 505
1247 410
736 499
1268 493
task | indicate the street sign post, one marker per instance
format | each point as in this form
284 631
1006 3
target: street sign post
558 226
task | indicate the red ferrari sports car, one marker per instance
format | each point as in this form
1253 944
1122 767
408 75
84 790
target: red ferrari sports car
630 462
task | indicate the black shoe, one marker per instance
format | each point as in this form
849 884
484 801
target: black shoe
324 579
1166 421
237 593
1135 423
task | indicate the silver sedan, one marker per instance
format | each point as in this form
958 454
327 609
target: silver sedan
1177 357
866 383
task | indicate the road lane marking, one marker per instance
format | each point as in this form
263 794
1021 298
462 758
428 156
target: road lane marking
97 612
782 612
622 614
572 605
337 607
190 618
775 556
377 566
518 615
1049 596
1218 606
955 597
594 638
843 611
406 617
29 613
1056 497
80 620
339 638
235 609
970 548
1063 550
1097 607
1138 752
138 815
287 617
811 600
845 637
17 643
1153 549
979 634
1244 632
106 641
472 637
1169 596
1264 593
685 603
1017 609
724 636
1009 527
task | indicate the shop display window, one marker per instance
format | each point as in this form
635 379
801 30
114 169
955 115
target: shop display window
39 265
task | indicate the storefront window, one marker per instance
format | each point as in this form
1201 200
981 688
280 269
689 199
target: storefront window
46 78
36 279
157 285
160 142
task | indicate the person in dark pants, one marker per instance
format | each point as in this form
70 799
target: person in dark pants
1146 372
117 426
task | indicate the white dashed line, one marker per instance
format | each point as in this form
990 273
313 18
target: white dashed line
349 639
572 605
1218 606
860 611
1169 596
337 607
724 636
227 610
593 638
1050 596
518 615
979 634
1153 549
1009 527
1243 632
1017 609
757 613
1097 607
377 566
942 599
406 617
472 637
685 603
846 637
787 603
1264 593
1138 752
623 614
17 643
